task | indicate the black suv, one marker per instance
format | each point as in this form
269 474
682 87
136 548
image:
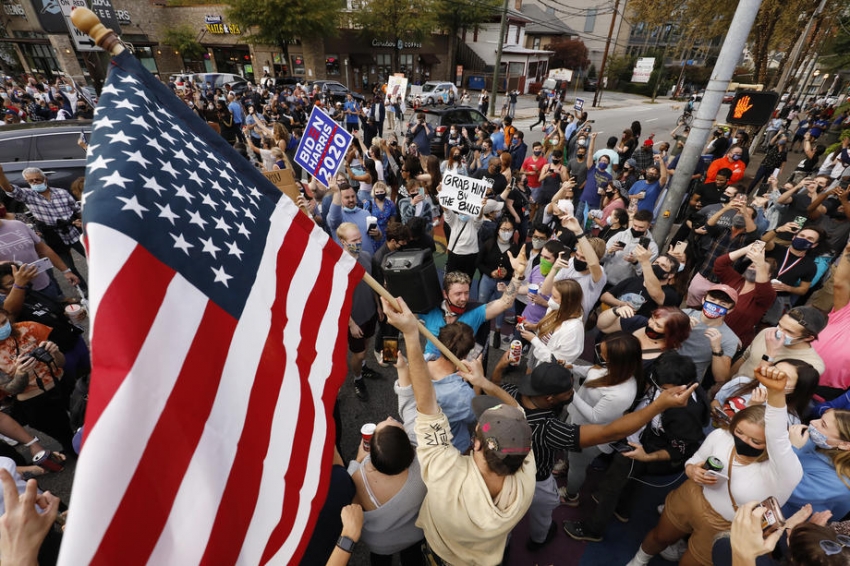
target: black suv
51 147
441 119
336 91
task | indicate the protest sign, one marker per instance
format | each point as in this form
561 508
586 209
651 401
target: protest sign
463 194
396 86
323 147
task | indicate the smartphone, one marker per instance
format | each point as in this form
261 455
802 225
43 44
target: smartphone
421 191
800 221
720 415
389 353
680 247
42 264
644 242
758 246
716 474
775 173
621 446
773 518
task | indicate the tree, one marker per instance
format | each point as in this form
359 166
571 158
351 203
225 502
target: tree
406 20
569 53
277 22
452 16
183 40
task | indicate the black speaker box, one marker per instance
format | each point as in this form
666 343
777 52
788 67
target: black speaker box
412 275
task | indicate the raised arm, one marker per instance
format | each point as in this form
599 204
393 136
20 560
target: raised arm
423 388
497 307
841 278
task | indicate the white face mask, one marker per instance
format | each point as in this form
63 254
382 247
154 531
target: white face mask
609 221
505 235
553 305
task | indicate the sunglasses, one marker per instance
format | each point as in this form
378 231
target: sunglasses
831 547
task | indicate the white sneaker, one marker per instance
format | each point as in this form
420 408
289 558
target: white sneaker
559 468
379 357
675 551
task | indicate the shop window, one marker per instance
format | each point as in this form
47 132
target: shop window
332 65
590 20
536 43
385 66
298 65
517 69
406 63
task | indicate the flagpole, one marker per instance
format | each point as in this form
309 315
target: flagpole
88 23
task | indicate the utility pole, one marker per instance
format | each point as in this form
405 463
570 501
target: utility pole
736 37
494 91
600 81
660 68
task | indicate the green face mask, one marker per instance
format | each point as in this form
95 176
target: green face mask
545 266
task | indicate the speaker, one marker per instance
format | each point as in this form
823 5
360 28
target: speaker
412 275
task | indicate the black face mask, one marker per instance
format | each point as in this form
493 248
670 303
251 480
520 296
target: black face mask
579 265
653 334
745 449
637 234
659 272
724 198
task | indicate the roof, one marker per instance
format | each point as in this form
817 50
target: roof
543 23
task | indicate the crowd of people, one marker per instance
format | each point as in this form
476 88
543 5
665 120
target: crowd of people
714 358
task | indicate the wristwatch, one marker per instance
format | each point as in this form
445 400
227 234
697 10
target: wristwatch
346 544
767 358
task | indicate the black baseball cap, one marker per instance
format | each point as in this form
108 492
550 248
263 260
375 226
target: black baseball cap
547 378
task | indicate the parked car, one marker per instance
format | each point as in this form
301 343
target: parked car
441 119
53 149
728 97
553 85
336 91
591 84
434 92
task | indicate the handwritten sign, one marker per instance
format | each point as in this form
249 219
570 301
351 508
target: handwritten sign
323 147
463 194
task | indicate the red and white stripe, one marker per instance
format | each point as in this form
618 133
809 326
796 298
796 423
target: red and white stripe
208 438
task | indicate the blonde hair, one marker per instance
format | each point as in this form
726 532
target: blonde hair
841 458
571 296
379 185
345 227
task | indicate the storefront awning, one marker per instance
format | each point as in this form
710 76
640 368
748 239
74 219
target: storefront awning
361 59
429 59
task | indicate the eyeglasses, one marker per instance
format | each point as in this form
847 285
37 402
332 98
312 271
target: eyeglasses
831 547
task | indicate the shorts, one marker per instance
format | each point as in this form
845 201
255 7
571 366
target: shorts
690 512
357 345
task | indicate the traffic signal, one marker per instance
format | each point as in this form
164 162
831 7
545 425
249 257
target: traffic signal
751 108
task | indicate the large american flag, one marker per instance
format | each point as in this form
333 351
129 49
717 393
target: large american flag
219 317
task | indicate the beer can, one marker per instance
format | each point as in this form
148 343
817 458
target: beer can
515 353
713 464
48 461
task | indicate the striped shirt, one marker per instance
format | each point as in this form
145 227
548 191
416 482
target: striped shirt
548 434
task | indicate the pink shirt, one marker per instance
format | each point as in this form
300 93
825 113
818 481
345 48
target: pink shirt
831 345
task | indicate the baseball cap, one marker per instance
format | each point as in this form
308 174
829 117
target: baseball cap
727 290
504 428
547 379
809 318
493 206
631 163
648 143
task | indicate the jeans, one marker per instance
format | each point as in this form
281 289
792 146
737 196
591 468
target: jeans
487 292
545 501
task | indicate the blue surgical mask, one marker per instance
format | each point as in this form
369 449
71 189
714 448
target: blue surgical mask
41 187
463 217
788 339
818 438
5 330
349 210
602 166
736 157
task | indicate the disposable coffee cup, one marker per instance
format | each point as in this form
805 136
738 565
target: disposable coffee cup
371 222
366 431
533 289
75 313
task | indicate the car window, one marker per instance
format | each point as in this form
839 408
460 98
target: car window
433 120
476 117
459 117
57 146
14 149
427 88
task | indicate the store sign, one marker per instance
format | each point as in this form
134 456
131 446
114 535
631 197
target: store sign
401 44
14 10
123 17
106 12
643 69
215 24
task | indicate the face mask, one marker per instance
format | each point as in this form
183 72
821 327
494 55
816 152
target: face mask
609 221
537 152
818 438
738 221
347 209
5 330
659 272
781 142
448 307
602 166
798 243
579 265
537 243
750 275
745 449
553 305
380 196
725 198
463 217
713 310
736 157
514 142
554 141
505 235
580 156
653 334
582 142
354 249
454 132
545 266
637 233
41 187
788 339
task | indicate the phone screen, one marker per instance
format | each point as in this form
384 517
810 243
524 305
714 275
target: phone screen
644 242
389 353
621 446
42 264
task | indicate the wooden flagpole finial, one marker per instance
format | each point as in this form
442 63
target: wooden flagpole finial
88 23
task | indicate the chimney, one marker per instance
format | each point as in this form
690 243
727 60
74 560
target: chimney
518 5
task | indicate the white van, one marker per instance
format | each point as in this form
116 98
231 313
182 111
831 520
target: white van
217 80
